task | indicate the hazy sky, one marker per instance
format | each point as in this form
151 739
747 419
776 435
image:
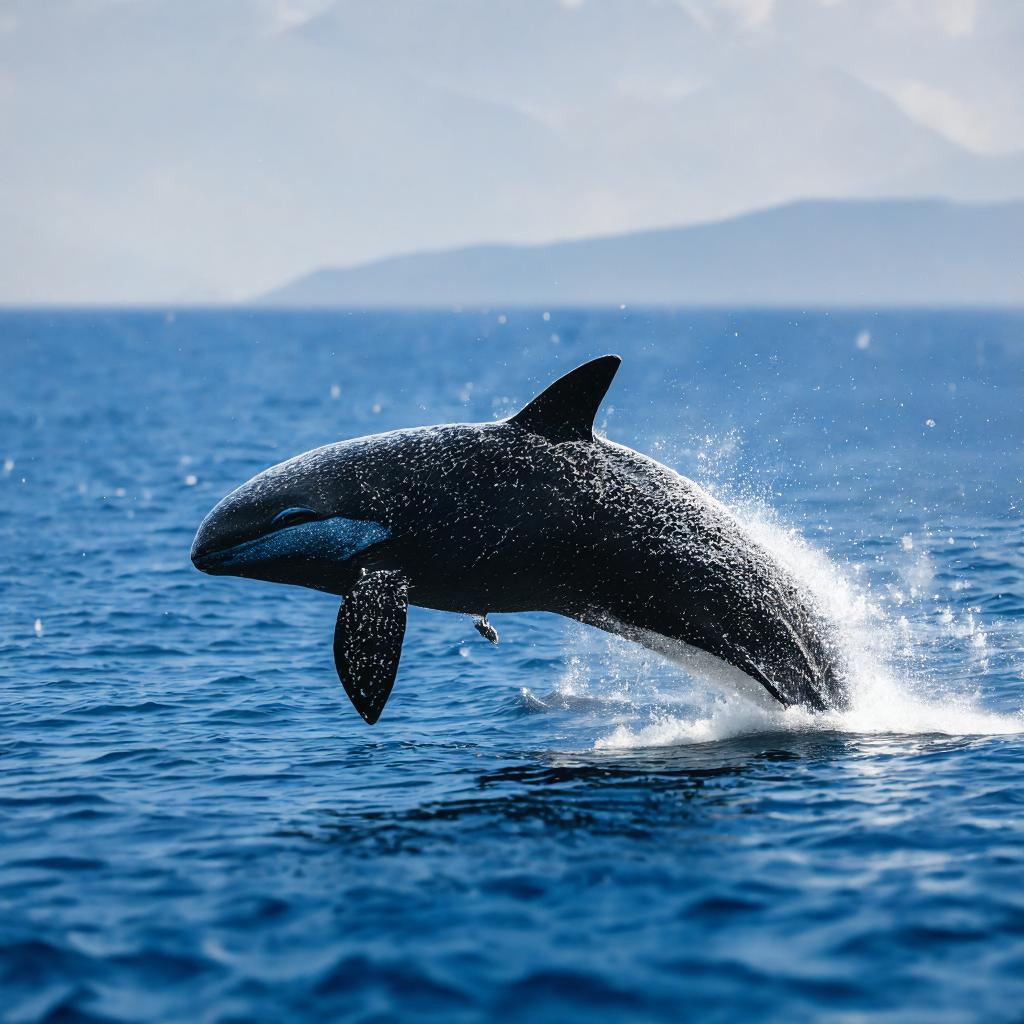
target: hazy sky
177 150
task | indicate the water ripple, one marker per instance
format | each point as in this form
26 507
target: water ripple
194 825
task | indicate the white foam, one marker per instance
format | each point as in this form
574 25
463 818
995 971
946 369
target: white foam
733 717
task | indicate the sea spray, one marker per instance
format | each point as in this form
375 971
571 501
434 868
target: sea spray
888 636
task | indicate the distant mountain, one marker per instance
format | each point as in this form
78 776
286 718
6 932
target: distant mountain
809 253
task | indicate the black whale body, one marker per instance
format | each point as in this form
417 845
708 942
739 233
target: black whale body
533 513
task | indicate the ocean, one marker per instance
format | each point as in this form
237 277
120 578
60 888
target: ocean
195 825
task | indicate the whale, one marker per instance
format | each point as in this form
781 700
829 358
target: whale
535 512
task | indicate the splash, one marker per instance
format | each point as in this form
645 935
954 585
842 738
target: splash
887 636
733 717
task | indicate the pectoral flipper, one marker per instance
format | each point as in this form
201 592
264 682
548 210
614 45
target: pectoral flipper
368 640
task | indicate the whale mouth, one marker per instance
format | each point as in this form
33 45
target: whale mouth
207 562
210 561
227 561
220 559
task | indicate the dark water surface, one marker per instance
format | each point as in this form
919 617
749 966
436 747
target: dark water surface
195 824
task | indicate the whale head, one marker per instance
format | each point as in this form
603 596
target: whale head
300 522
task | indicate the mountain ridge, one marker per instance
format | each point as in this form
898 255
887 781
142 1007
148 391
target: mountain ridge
923 251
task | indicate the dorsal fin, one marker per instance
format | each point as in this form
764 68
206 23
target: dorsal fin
565 410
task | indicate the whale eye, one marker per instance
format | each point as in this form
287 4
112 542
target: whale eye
292 517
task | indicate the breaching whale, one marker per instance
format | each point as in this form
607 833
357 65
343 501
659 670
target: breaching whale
531 513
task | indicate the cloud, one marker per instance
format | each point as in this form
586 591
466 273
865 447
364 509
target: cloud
750 15
944 113
697 14
957 16
292 14
747 15
953 18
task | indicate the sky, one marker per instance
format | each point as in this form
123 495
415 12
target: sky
176 151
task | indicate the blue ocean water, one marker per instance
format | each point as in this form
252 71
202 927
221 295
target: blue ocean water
196 825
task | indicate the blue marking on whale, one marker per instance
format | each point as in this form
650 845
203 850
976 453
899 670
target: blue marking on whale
335 539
